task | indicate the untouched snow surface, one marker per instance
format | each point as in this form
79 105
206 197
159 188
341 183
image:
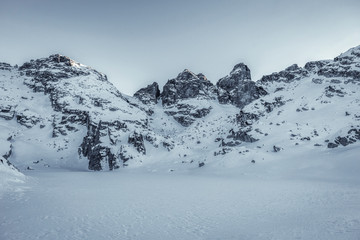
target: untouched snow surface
62 204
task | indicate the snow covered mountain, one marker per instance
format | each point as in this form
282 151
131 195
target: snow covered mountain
57 113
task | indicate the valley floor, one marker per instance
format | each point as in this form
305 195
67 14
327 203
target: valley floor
63 205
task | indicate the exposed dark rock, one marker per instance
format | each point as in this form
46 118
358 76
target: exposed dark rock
137 140
229 144
353 135
27 119
186 114
5 66
200 113
99 156
317 81
149 94
314 66
342 140
187 85
184 120
241 136
332 145
335 70
290 74
246 119
223 151
8 153
335 81
237 88
124 155
269 107
151 139
7 112
168 145
276 149
331 91
343 66
201 164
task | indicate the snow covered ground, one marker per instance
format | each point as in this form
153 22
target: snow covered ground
196 204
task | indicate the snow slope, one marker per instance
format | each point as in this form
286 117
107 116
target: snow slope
113 205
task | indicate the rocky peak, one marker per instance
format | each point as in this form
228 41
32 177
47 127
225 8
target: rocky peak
346 65
291 73
186 75
201 77
293 67
149 94
241 72
314 66
237 87
5 66
55 61
57 58
185 86
188 85
352 54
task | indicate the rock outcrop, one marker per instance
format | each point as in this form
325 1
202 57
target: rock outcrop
290 74
187 85
237 88
346 65
149 94
181 97
353 135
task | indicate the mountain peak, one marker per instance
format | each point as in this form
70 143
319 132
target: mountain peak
351 54
149 94
54 61
58 58
242 71
187 75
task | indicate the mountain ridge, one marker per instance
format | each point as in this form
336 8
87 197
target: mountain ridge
74 117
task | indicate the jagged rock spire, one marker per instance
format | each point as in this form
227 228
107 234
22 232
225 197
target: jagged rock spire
149 94
237 87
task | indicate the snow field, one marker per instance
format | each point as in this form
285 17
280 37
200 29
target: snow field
136 205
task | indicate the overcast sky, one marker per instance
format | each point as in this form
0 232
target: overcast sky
138 42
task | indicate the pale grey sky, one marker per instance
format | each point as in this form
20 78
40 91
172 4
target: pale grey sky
138 42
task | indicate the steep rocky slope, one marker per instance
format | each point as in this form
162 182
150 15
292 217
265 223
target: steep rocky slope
55 112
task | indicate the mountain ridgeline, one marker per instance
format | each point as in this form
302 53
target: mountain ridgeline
56 112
